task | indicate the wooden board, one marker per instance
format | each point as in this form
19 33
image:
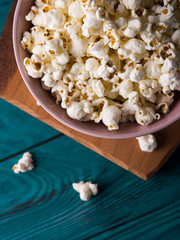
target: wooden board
125 153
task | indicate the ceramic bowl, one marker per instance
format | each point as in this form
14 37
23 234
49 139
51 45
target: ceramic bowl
126 130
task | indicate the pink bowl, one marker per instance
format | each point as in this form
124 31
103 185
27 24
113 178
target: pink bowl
126 130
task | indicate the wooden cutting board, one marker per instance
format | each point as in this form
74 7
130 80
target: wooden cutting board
125 153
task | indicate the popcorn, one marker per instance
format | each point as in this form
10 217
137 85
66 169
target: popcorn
169 65
124 53
98 49
75 110
86 189
163 102
91 64
111 117
102 14
98 88
57 75
146 115
176 37
24 164
132 4
133 28
148 88
63 58
75 10
152 69
34 69
110 61
27 41
52 47
121 23
51 20
166 79
48 80
60 3
147 143
125 88
78 46
112 39
133 98
137 74
91 20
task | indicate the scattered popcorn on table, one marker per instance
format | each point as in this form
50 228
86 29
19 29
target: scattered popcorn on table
86 189
110 61
147 143
24 164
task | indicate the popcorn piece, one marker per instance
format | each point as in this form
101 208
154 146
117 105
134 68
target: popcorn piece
91 64
152 69
137 74
91 20
133 28
98 88
167 79
133 98
125 88
78 46
102 14
108 63
27 41
48 80
147 143
121 23
176 37
86 189
24 164
148 88
52 46
132 4
135 46
76 111
98 49
164 102
34 69
102 72
146 115
75 10
63 58
51 19
170 64
111 117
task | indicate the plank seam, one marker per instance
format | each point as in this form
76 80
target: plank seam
132 220
30 148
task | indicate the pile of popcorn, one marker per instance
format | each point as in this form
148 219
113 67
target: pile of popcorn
106 60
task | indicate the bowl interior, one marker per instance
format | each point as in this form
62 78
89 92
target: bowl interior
126 130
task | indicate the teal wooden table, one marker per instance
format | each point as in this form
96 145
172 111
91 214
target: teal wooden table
41 204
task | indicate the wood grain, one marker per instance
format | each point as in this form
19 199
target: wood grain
125 153
42 204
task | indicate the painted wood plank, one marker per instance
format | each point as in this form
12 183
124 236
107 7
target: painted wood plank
142 164
41 204
4 8
19 130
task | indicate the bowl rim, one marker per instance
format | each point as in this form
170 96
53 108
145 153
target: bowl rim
110 135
